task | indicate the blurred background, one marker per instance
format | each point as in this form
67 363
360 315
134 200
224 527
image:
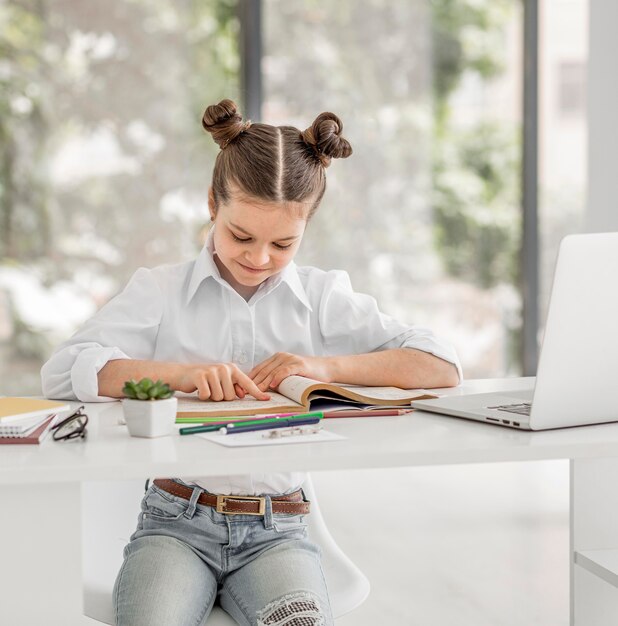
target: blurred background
104 168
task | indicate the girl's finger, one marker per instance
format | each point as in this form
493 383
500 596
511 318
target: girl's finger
227 386
260 366
216 391
240 392
279 374
250 387
259 377
203 389
264 373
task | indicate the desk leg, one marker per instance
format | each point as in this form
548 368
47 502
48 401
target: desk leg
594 542
40 554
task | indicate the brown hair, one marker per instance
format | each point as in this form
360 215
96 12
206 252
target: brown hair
273 163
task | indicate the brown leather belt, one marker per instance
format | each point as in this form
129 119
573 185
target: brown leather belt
292 503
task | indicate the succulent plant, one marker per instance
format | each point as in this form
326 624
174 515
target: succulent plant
145 389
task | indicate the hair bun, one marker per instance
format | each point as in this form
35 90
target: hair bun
224 122
324 138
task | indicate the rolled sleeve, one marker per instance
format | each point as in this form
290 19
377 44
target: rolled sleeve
418 338
89 362
125 328
351 323
71 373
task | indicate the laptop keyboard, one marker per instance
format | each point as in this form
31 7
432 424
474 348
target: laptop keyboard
523 408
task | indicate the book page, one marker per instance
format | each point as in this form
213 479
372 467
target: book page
189 406
376 394
295 387
303 389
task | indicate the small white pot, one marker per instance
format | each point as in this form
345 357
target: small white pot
150 418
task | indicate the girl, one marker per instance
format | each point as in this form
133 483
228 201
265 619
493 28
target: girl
236 321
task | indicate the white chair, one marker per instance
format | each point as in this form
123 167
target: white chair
109 517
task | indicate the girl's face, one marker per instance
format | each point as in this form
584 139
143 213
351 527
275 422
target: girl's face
255 239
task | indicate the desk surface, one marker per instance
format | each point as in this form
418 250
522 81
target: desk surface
408 440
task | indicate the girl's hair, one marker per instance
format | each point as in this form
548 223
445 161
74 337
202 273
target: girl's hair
273 163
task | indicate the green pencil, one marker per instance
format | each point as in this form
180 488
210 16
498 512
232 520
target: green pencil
206 428
185 419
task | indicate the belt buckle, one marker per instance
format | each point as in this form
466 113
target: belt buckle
222 499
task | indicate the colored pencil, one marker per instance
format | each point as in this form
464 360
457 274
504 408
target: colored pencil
271 421
366 412
234 429
226 419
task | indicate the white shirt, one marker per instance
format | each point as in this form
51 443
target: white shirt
188 313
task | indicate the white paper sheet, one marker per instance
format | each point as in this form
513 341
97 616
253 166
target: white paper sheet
256 438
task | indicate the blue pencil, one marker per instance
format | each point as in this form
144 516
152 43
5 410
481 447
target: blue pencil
232 429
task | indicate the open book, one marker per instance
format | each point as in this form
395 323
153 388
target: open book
299 394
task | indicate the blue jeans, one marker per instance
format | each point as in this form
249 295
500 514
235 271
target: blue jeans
184 555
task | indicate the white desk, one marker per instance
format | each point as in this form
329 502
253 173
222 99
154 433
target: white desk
40 491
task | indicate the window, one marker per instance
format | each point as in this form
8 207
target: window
104 168
563 135
425 215
103 164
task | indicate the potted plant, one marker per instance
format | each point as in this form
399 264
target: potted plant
149 408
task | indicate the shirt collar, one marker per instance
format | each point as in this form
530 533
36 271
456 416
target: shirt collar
205 267
289 275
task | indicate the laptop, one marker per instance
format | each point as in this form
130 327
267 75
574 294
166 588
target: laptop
577 375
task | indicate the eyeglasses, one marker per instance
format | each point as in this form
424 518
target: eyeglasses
71 427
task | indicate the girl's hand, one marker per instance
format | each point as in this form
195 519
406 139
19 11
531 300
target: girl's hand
221 381
270 373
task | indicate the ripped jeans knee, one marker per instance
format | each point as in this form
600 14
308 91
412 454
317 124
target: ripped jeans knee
295 609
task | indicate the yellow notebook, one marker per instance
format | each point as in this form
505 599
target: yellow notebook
15 409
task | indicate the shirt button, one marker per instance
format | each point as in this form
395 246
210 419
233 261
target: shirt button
242 358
